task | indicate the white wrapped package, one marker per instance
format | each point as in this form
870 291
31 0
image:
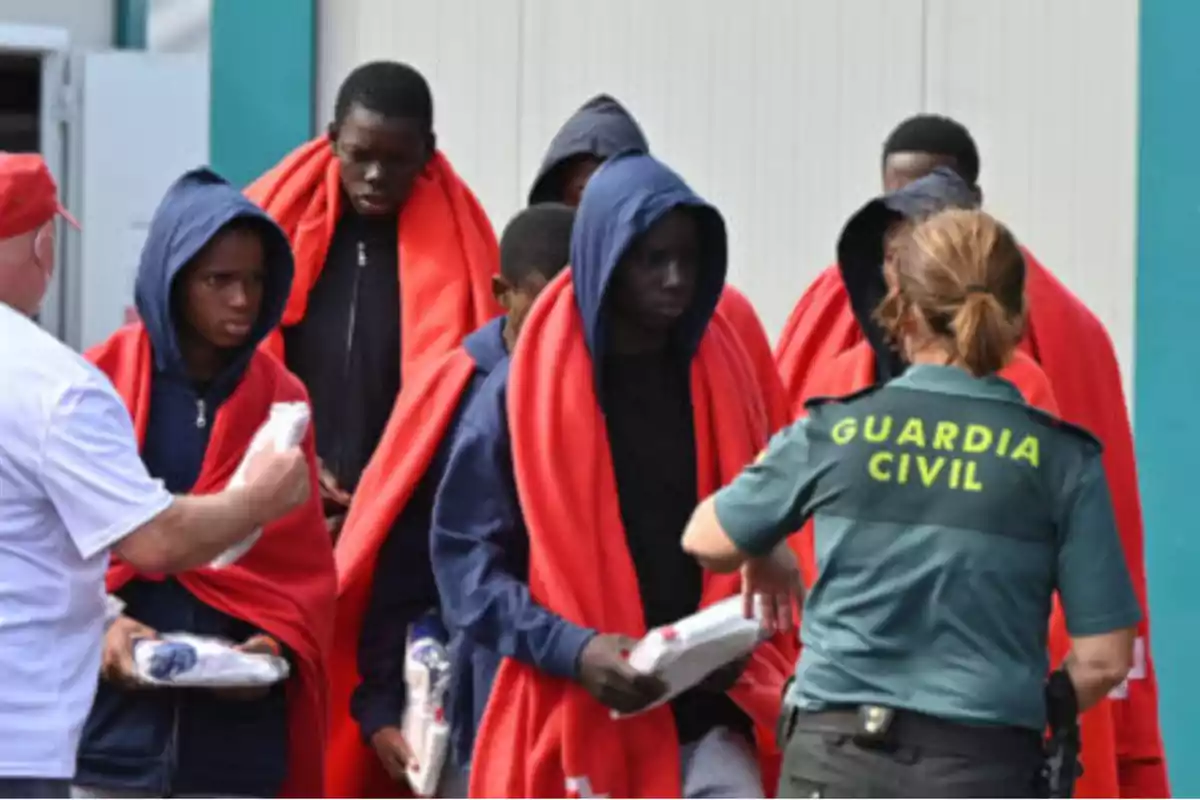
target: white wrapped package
285 427
184 660
113 608
427 678
689 651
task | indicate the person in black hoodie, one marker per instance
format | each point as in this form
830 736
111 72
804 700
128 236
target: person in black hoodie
599 130
648 269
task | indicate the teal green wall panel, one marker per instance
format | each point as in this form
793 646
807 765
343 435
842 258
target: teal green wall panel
1167 367
129 29
263 75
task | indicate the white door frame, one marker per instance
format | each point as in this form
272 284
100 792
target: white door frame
52 44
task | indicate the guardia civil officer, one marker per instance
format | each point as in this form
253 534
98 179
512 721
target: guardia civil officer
947 512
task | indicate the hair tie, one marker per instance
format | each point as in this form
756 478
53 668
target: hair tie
976 288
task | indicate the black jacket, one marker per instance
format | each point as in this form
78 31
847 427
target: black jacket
346 350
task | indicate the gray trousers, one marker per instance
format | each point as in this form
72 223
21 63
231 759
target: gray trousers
35 787
720 764
829 764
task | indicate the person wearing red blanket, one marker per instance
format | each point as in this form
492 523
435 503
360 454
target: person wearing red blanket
388 534
1123 752
600 129
212 283
394 263
627 398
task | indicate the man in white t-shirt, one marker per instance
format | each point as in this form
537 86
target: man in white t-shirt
72 488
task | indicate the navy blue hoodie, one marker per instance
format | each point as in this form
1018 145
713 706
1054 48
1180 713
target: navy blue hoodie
480 544
602 128
860 250
401 591
189 741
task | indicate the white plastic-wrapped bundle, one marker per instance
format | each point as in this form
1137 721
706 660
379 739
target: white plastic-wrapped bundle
426 677
686 653
185 660
113 608
285 428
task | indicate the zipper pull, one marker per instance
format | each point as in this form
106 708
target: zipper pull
362 254
201 419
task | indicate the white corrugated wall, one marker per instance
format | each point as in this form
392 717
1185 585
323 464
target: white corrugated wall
89 22
775 110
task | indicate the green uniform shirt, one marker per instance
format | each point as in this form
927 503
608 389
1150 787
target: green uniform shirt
946 513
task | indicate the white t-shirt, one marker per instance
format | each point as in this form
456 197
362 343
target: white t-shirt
71 486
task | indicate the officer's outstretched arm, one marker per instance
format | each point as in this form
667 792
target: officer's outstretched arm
708 543
759 509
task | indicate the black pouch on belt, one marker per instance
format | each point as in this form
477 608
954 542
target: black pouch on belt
787 715
874 729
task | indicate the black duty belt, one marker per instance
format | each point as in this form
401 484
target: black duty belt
879 727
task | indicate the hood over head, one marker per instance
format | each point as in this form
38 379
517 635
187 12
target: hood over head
860 249
191 214
602 127
623 200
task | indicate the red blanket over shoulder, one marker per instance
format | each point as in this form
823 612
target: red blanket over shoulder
285 584
543 736
416 428
448 251
738 311
1123 754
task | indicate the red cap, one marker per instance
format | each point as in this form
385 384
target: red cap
28 195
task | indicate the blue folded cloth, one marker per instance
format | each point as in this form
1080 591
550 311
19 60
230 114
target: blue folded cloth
170 659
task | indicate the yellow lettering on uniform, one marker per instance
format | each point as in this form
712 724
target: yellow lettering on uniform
930 470
1005 441
970 480
844 431
943 438
872 435
1027 450
913 432
978 439
875 467
902 473
955 472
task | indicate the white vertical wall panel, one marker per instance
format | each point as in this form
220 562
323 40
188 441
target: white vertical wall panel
467 49
179 26
89 22
1049 89
774 110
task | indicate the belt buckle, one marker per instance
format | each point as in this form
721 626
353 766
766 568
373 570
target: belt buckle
874 729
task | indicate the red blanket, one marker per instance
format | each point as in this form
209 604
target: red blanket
740 314
448 251
543 736
285 584
1123 754
416 428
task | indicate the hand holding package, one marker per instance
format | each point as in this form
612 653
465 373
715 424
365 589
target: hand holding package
184 660
686 653
285 428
